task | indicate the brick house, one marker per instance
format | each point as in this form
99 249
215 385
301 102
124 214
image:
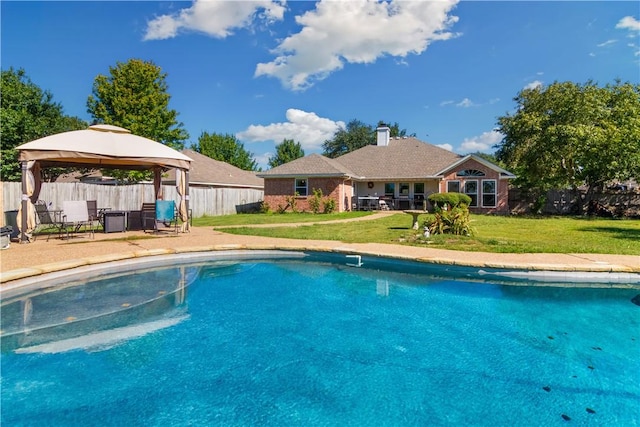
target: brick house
396 173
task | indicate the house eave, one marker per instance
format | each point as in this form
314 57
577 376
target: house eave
307 175
397 178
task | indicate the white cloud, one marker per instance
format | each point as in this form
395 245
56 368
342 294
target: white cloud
215 18
356 31
448 147
629 23
607 43
482 142
533 85
448 102
308 129
466 103
263 159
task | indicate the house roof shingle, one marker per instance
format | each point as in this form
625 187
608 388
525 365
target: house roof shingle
207 171
311 165
403 158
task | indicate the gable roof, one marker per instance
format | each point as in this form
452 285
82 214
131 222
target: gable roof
311 165
207 171
403 158
504 174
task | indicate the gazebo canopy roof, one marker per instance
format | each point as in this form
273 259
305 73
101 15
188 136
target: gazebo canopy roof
102 146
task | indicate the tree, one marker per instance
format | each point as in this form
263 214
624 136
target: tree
286 151
490 157
26 113
394 129
568 134
355 135
226 148
134 96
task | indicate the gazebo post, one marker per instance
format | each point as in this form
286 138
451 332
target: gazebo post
24 204
186 194
157 182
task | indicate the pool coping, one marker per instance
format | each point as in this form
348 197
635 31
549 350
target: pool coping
568 271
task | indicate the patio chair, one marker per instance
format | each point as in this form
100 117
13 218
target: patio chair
94 215
46 220
148 216
160 212
75 216
166 214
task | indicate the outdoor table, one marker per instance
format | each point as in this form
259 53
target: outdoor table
415 213
368 200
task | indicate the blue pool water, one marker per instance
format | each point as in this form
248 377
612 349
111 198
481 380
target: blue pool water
298 343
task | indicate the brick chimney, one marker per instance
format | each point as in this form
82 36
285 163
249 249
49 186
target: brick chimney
383 135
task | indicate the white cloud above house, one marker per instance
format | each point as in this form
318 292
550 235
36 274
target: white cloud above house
628 23
607 43
633 26
215 18
304 127
533 85
448 147
356 32
483 142
466 103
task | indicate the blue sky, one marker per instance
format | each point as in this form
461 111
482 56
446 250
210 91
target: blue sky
269 70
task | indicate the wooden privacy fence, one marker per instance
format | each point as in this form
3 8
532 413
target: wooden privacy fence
202 201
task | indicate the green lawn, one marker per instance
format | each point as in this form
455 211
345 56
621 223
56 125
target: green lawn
491 233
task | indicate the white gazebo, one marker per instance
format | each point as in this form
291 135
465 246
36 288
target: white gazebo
99 146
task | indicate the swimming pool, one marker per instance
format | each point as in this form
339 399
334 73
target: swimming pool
317 339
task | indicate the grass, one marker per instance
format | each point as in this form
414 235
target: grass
273 218
498 234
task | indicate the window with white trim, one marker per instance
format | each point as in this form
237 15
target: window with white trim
471 190
389 189
301 186
489 193
470 172
453 186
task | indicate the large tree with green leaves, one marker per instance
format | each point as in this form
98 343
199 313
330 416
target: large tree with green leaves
226 148
569 134
135 96
26 113
355 135
286 151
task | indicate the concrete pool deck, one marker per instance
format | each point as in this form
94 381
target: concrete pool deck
27 260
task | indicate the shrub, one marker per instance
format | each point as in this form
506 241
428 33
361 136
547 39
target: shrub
449 200
291 202
329 205
265 208
314 202
453 221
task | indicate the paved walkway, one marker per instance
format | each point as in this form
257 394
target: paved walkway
27 260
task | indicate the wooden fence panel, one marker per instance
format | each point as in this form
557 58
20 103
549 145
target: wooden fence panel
202 201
